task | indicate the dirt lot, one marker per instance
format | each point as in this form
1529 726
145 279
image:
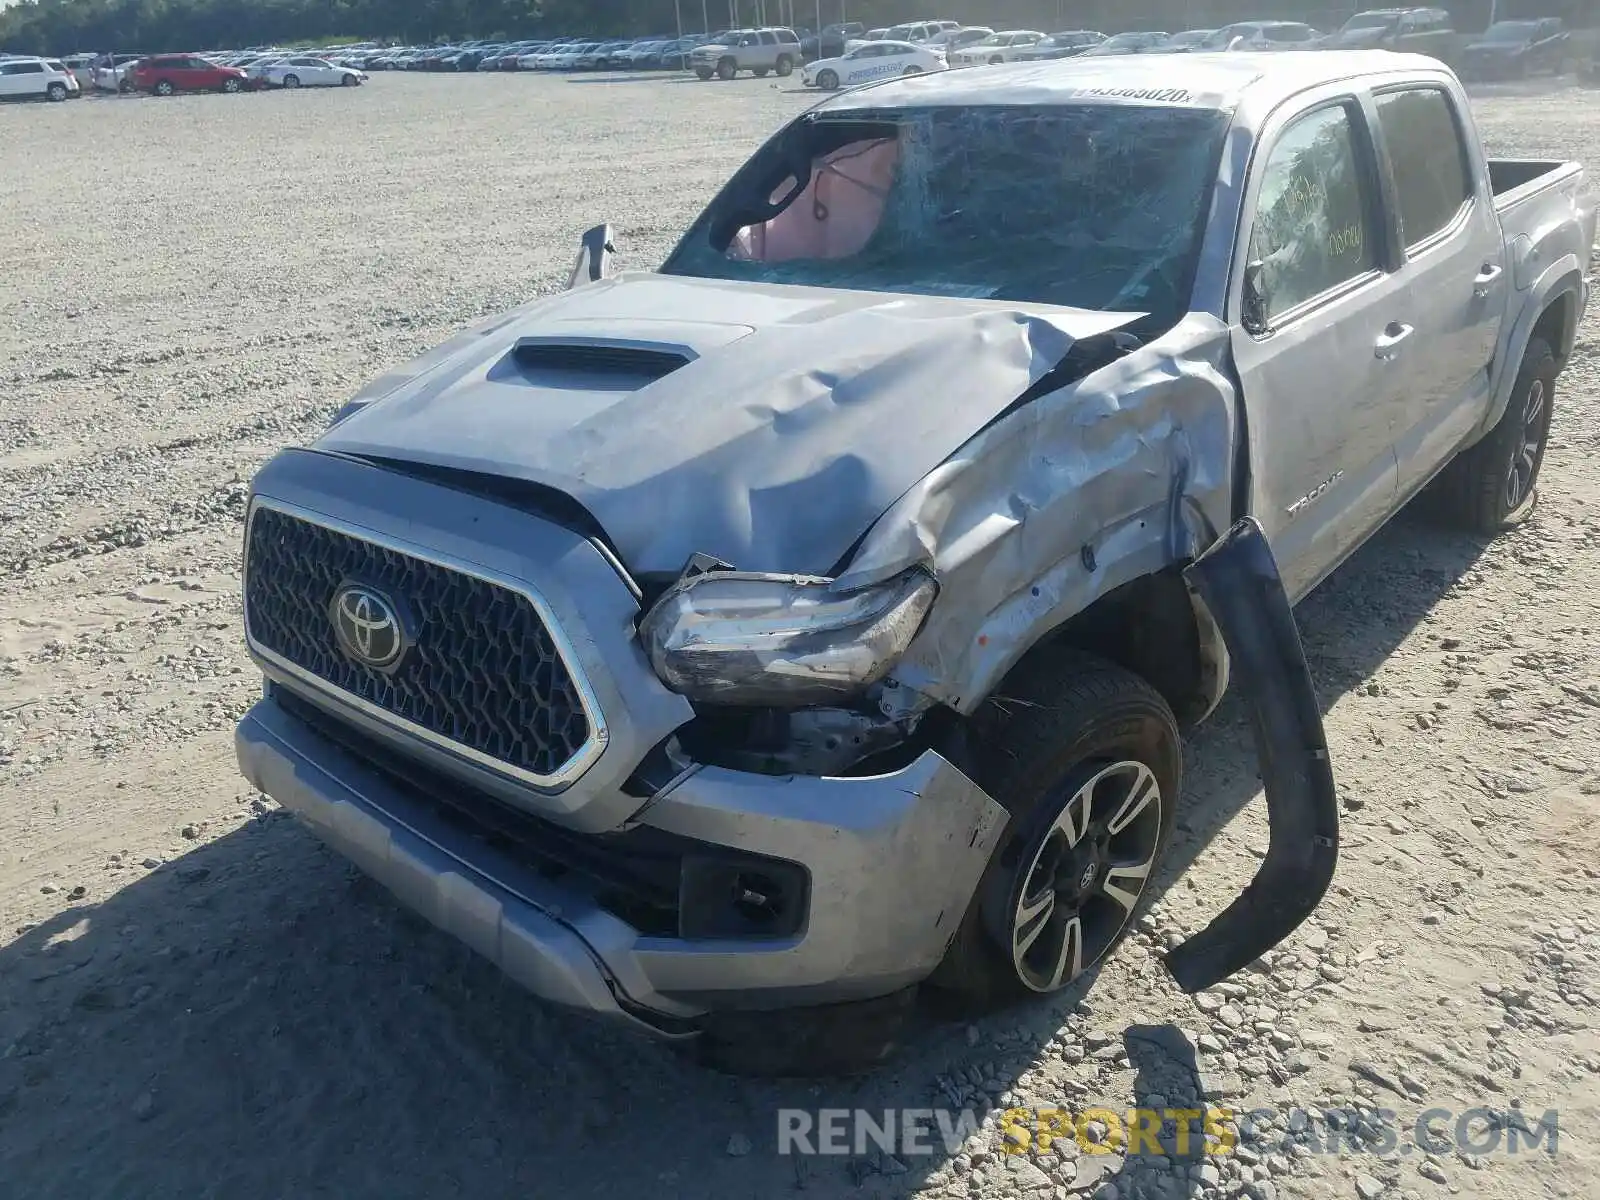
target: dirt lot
197 1000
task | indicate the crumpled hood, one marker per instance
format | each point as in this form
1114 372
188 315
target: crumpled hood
799 416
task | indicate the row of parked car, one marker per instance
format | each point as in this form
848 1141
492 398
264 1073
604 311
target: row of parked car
841 55
165 74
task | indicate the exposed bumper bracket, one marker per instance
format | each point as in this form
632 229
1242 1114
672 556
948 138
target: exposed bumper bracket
1238 580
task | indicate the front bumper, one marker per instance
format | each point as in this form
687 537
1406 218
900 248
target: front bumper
892 862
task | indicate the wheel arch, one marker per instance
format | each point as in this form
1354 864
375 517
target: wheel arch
1155 626
1551 311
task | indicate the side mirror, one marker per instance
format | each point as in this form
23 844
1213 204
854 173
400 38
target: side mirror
594 256
1254 314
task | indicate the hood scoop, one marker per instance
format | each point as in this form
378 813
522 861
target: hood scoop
611 363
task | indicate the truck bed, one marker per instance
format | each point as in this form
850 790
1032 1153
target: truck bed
1514 180
1537 201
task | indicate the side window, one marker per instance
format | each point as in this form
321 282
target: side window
769 39
1313 228
1427 158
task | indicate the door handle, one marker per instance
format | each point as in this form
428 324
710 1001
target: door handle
1388 343
1487 274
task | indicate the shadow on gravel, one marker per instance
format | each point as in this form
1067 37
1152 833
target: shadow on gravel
257 1020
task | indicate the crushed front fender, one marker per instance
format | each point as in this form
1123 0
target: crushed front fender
1237 578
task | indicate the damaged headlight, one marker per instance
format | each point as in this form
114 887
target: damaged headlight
733 637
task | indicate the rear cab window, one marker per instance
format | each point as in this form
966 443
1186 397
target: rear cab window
1314 230
1423 141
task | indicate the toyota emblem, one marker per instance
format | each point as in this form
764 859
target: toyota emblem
367 626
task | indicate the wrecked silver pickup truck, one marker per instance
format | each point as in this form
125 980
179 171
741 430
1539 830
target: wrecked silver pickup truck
736 647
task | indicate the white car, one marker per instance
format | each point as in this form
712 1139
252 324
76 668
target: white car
111 72
918 33
82 68
873 60
306 71
1005 46
567 57
37 78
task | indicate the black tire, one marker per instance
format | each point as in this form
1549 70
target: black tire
124 88
1478 490
785 65
759 72
828 81
164 87
995 60
231 86
702 73
727 69
912 71
349 81
829 1041
1064 734
291 81
56 93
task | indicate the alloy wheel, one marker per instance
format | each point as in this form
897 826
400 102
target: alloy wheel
1084 880
1525 457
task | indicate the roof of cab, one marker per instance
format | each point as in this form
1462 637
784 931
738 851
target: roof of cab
1192 81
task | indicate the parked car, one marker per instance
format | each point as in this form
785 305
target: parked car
1127 43
164 74
564 58
1004 46
308 71
1420 30
1182 43
804 738
874 60
674 55
755 50
830 43
1515 49
82 68
111 71
37 78
1262 35
955 39
1068 43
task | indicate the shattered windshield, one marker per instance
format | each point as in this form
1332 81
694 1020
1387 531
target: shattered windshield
1097 206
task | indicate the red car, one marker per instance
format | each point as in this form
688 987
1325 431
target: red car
164 74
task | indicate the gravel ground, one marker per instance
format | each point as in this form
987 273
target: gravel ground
196 999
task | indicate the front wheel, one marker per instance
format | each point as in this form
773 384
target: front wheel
702 73
785 65
1087 759
291 81
349 81
56 92
995 60
164 87
1490 486
912 71
231 86
827 80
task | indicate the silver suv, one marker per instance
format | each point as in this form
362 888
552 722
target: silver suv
755 50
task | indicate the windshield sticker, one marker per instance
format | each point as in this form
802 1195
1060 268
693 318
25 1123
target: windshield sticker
1157 95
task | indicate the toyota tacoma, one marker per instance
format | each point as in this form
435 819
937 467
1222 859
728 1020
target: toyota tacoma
738 647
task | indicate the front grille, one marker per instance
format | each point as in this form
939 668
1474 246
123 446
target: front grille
481 670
